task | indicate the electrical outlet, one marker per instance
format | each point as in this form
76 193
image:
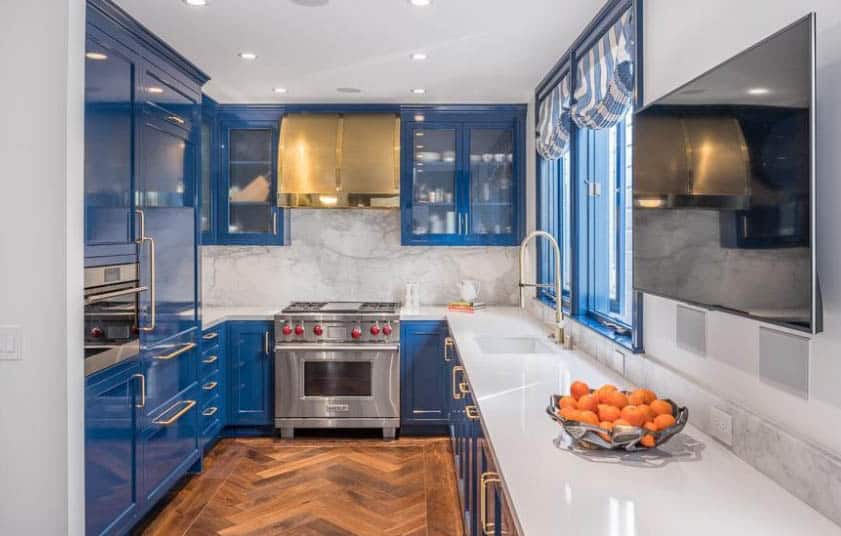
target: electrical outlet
10 338
617 362
721 426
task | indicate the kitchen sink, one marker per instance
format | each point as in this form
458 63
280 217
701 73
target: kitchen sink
512 345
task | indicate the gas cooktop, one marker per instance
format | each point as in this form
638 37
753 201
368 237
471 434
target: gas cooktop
342 307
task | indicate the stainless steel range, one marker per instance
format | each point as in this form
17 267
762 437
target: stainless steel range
337 365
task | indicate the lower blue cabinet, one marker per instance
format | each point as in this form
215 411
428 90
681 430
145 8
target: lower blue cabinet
250 365
111 486
425 372
213 384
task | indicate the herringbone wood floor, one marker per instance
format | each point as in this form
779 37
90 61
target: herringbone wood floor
317 487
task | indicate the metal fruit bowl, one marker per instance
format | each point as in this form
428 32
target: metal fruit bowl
625 438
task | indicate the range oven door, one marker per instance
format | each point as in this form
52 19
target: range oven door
336 381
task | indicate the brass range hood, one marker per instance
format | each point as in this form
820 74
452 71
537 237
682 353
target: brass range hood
332 160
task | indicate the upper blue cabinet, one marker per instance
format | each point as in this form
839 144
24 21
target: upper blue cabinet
462 173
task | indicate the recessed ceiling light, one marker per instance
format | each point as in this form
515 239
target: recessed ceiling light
418 91
418 134
420 3
419 117
419 146
280 90
248 56
98 56
155 89
418 56
196 3
759 91
311 3
348 90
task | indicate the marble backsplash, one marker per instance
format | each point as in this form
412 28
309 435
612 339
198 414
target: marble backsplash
352 255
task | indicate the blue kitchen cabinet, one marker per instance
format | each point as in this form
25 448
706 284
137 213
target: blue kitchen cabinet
425 373
251 362
213 382
209 172
462 175
493 512
112 398
247 193
111 75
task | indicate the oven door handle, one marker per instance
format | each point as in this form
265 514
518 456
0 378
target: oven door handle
337 347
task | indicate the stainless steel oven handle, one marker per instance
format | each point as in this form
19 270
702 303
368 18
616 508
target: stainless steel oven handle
337 347
115 294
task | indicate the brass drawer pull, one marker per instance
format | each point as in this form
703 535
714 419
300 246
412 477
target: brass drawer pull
463 388
448 343
210 360
188 405
209 412
142 403
186 348
472 412
210 336
456 394
153 300
210 386
486 478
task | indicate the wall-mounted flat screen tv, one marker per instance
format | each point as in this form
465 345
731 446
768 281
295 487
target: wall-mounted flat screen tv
724 186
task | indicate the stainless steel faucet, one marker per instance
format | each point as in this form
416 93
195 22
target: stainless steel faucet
558 331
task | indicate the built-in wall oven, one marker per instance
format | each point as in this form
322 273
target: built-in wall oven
337 365
111 315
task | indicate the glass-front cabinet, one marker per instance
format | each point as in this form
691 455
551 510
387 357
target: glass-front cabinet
248 213
462 176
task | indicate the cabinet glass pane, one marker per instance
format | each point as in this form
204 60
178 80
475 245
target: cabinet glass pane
250 180
206 179
109 80
491 181
434 182
166 163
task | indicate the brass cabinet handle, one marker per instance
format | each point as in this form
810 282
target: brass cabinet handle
188 405
116 294
153 310
209 386
488 529
472 412
142 390
186 348
274 221
210 411
463 388
448 343
266 343
210 360
456 394
210 336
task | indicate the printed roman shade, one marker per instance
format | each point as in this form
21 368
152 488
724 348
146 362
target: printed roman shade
554 122
604 85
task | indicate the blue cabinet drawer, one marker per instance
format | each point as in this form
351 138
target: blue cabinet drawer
170 444
209 363
210 419
169 368
210 387
211 336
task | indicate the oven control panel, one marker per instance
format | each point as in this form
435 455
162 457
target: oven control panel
362 330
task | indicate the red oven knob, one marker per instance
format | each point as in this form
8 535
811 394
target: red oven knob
375 330
318 330
96 332
387 330
356 332
299 329
287 330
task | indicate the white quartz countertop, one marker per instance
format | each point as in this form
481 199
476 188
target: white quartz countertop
211 316
700 489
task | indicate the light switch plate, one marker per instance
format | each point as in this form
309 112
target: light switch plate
721 426
10 343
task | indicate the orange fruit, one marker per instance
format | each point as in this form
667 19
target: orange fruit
649 413
603 392
617 399
569 414
567 402
607 426
648 441
633 415
589 417
579 389
588 402
664 421
642 396
608 413
650 426
661 407
621 422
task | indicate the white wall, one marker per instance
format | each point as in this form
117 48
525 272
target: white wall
684 38
41 137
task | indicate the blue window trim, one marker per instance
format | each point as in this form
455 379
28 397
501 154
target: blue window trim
575 304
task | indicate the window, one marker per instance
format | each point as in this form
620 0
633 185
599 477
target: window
554 216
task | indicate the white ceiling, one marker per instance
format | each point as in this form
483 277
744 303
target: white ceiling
479 50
